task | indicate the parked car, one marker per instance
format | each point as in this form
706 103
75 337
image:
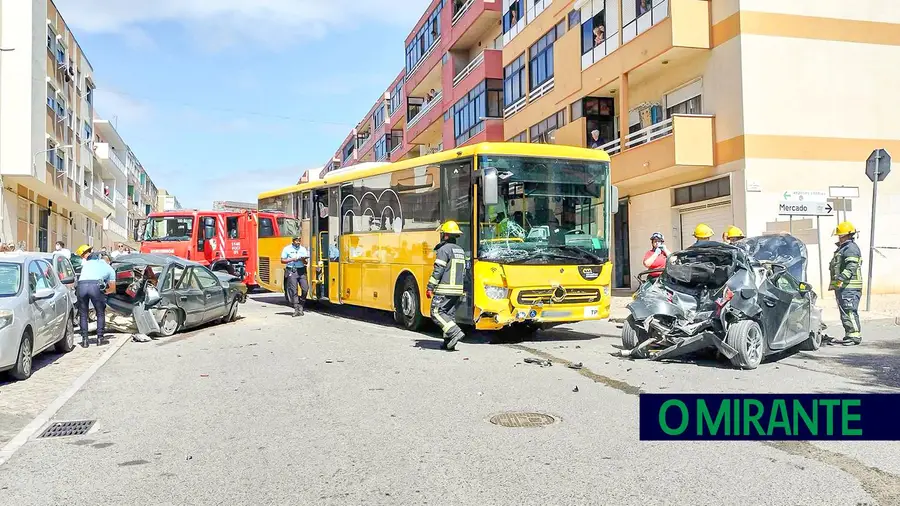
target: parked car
166 294
36 311
746 301
64 269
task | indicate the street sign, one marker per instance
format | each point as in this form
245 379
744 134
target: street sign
804 208
804 196
882 159
843 192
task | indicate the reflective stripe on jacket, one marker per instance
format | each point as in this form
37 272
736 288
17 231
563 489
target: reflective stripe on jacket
449 270
846 267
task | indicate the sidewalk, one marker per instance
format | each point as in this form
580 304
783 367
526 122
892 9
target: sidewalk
884 307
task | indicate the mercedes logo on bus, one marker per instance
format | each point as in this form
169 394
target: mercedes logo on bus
559 294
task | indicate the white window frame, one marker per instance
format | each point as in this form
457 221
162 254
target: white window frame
683 93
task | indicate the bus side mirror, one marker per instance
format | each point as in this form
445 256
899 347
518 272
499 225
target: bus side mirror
491 189
614 199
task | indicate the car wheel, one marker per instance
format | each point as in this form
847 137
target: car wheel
232 312
408 312
813 343
67 343
632 336
746 337
170 323
22 369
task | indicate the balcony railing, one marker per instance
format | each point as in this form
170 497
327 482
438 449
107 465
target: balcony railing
461 11
468 68
424 110
642 136
642 22
542 90
515 107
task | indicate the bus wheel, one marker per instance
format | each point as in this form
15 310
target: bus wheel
407 308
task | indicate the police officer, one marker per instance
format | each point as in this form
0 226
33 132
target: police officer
97 280
846 280
445 287
732 235
295 257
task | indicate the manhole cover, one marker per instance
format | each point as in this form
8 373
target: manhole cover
70 428
525 420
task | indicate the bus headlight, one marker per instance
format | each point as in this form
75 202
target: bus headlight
496 292
606 290
6 319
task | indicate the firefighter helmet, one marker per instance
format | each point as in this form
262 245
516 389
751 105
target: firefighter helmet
84 248
734 233
450 228
703 231
844 228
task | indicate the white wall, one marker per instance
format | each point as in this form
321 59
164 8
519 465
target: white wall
883 11
648 213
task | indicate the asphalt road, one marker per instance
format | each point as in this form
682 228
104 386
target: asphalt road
344 408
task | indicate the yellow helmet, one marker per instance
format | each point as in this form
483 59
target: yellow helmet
703 231
734 233
84 248
450 227
844 228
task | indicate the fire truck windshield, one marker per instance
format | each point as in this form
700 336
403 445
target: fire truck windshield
169 228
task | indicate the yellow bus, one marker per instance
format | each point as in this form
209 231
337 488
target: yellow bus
539 256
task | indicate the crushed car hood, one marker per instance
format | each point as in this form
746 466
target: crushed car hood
781 248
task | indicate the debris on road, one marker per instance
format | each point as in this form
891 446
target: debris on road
539 361
575 389
579 365
141 338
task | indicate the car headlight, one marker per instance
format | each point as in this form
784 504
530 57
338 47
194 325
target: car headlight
496 292
6 318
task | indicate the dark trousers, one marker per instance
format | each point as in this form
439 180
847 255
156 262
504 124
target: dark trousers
91 292
292 279
443 312
848 305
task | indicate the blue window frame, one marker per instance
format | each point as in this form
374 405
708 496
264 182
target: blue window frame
396 98
540 59
51 102
88 131
61 108
381 150
469 113
514 81
59 161
348 149
593 31
60 54
513 15
425 38
378 116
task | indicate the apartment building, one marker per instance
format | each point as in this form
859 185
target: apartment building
711 109
142 197
110 180
165 201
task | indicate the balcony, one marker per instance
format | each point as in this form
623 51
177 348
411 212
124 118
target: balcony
470 20
426 107
468 69
110 159
422 68
668 32
682 142
425 126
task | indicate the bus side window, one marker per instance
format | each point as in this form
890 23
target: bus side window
265 227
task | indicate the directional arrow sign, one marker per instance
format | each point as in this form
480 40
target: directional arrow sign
805 196
804 208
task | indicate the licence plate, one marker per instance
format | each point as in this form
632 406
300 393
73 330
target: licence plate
591 312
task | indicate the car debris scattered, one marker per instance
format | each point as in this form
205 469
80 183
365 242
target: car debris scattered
538 361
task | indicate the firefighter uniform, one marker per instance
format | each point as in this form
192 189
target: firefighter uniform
446 283
846 281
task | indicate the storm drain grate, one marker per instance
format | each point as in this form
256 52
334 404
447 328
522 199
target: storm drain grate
522 420
70 428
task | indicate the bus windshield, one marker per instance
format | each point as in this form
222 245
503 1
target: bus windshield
169 228
549 211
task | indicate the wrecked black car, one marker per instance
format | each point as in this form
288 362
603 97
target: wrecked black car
165 294
745 301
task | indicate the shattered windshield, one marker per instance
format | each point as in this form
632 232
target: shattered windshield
550 211
169 228
783 249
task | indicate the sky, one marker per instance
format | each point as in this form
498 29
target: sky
224 99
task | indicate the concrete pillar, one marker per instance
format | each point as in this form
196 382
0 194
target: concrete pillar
623 109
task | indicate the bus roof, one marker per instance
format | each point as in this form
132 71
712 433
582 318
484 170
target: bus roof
485 148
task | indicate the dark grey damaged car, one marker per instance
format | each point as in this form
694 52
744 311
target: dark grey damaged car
165 294
746 301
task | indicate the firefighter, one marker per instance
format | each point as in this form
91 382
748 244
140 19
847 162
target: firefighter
702 233
846 280
732 235
445 287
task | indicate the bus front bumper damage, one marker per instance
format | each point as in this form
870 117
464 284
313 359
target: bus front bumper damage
545 316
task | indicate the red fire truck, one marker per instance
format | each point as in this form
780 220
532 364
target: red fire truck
218 239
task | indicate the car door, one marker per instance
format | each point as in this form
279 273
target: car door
191 298
66 272
43 311
776 304
60 299
213 294
795 325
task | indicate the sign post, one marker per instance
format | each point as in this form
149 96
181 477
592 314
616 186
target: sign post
806 203
878 166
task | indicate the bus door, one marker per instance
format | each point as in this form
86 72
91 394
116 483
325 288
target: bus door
319 250
332 254
206 239
457 203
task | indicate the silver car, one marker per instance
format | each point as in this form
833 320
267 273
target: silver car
36 311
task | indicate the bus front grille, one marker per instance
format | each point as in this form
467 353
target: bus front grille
572 296
264 269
